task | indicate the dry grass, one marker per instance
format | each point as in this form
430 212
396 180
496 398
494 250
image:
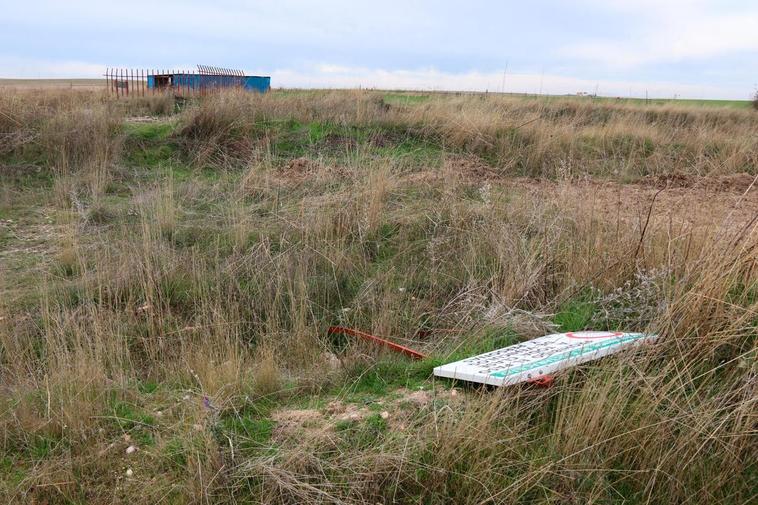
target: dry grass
191 265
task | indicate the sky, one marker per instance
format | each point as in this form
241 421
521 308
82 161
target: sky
662 48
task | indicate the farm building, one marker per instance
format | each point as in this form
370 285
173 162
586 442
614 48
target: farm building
125 82
193 81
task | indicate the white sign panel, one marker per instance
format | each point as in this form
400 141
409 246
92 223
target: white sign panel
542 356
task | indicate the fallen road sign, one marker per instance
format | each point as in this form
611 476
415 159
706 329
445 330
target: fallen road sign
539 357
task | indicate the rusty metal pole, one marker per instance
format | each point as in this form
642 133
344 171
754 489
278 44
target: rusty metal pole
378 340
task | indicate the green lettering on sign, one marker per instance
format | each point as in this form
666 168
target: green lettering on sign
585 349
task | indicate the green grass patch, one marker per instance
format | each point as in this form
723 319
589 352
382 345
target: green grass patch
41 446
574 315
174 453
387 375
249 434
362 434
128 416
489 340
405 98
149 131
149 145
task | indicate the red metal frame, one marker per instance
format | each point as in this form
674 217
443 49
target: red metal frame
372 338
545 381
124 82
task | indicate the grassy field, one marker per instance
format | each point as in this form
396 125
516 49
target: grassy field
168 273
52 84
404 96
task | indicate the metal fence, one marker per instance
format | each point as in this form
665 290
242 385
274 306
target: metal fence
125 82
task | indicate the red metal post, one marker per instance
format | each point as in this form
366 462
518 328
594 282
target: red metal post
392 345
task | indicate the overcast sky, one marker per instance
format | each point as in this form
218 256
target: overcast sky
691 48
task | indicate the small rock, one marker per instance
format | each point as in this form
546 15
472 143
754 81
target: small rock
129 472
130 449
332 362
143 308
453 393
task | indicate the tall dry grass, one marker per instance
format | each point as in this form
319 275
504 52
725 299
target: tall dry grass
207 298
534 137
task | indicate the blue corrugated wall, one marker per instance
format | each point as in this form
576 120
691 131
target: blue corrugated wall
257 83
249 82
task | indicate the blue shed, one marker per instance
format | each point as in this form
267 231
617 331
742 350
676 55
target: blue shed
189 82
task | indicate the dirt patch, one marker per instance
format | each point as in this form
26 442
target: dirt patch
693 206
337 142
22 170
301 169
424 397
398 410
298 423
341 411
419 398
469 167
463 168
730 200
737 183
311 424
386 139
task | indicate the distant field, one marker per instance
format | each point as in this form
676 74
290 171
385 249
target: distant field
415 97
52 83
408 96
739 104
